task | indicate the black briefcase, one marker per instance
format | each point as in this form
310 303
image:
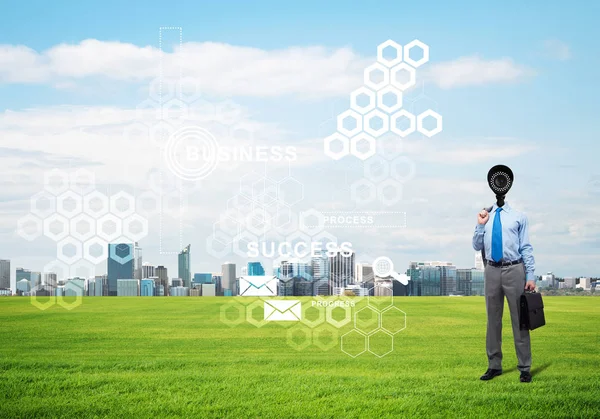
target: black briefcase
531 315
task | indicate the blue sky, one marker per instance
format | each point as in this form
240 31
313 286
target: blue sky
547 109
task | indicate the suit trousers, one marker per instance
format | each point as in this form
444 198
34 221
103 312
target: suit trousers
506 281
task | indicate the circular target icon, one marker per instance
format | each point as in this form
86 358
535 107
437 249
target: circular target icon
192 153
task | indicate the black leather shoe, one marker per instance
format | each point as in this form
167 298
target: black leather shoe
490 373
525 377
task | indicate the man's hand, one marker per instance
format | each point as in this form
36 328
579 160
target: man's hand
483 217
530 286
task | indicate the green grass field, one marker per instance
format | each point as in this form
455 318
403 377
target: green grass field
173 357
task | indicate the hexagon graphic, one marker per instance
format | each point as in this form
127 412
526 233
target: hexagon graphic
389 99
240 243
121 253
135 227
399 175
175 110
29 227
83 181
160 132
418 44
381 72
389 191
228 223
377 169
258 221
58 267
354 343
397 54
362 100
216 247
291 191
334 139
306 309
56 181
398 81
299 337
108 227
312 221
376 123
69 204
325 337
43 204
380 343
95 250
325 237
72 243
148 110
363 191
122 204
161 89
285 221
83 227
71 286
235 320
357 145
56 227
429 114
251 318
393 320
95 204
403 114
82 269
353 118
294 239
367 320
147 204
384 297
34 298
390 146
338 323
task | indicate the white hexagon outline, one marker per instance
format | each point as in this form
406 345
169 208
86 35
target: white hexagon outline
60 204
342 342
345 146
118 227
27 219
349 113
86 189
174 110
231 323
112 254
369 343
411 118
135 236
368 172
78 298
266 220
338 323
73 227
363 155
151 195
376 311
372 190
236 242
307 335
86 204
376 307
411 172
389 309
214 252
282 195
318 344
389 43
302 236
312 230
376 132
367 76
56 263
95 259
412 79
411 45
434 115
290 226
43 213
122 213
60 189
363 90
50 220
313 323
386 90
386 183
34 302
73 268
227 224
69 260
252 306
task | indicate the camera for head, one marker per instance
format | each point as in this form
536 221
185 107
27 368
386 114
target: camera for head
500 179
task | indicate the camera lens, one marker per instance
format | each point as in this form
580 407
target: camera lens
500 181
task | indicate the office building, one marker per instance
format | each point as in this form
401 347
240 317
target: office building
477 282
147 287
4 274
569 282
424 279
255 269
127 287
179 291
184 272
479 261
320 266
203 278
148 270
23 286
548 281
196 291
137 262
217 280
364 273
341 270
120 265
74 287
447 276
585 284
177 282
161 273
208 290
49 278
228 273
96 286
23 274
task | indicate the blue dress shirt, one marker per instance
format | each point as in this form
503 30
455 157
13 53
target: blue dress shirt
515 238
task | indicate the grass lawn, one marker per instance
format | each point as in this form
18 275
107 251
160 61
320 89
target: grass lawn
173 357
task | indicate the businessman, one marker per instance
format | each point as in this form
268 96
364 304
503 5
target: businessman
504 235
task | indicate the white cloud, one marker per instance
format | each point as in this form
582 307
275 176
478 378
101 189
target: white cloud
558 50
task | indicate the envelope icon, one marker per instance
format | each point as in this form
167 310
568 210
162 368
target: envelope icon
258 286
283 310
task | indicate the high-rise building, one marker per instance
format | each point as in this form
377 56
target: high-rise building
320 266
137 262
228 273
255 269
177 282
23 286
184 266
128 287
49 278
36 279
364 273
477 281
74 287
447 276
163 278
148 270
180 291
120 265
341 270
217 280
98 287
548 281
479 261
424 279
147 287
4 274
23 274
569 282
203 278
584 283
208 290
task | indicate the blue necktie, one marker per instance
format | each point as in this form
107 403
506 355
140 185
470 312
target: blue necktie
497 237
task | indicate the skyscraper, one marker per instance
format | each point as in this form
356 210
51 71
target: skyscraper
120 264
4 273
203 278
184 266
163 279
228 274
137 261
447 276
148 270
49 278
341 270
320 266
255 269
478 261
